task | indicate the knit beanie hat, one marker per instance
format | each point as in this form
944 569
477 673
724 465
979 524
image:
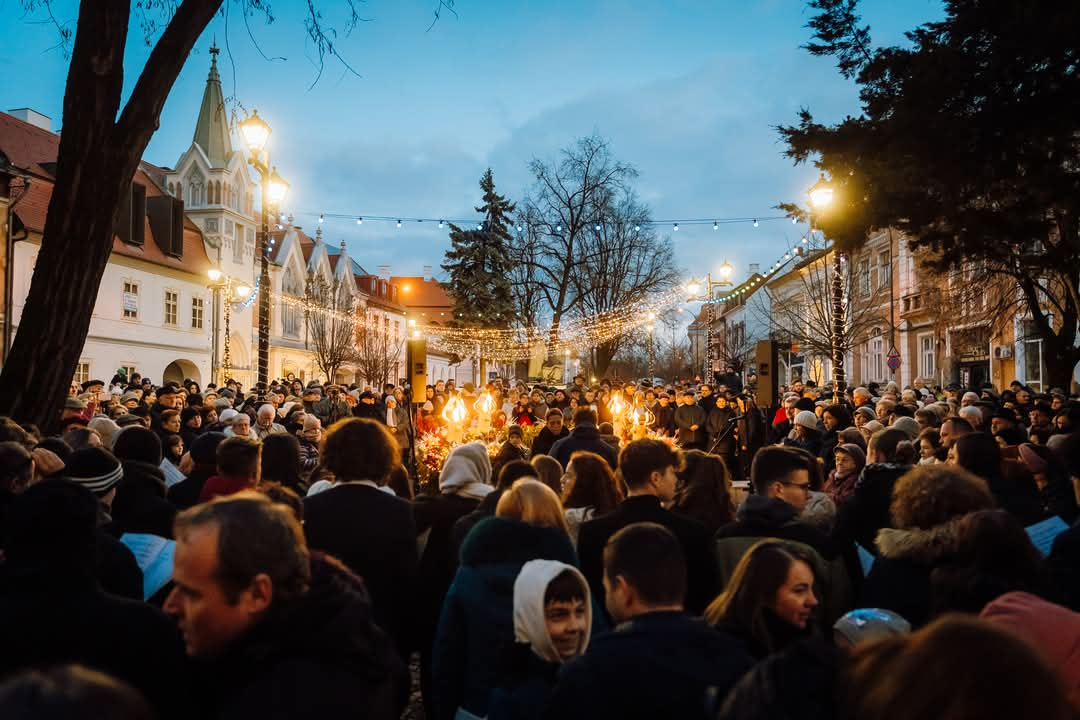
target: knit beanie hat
95 469
311 422
227 416
1052 629
221 405
867 411
186 414
807 419
907 425
873 426
204 450
854 452
138 443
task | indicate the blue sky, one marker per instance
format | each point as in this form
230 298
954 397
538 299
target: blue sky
688 92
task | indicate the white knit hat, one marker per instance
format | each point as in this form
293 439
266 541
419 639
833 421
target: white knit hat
807 419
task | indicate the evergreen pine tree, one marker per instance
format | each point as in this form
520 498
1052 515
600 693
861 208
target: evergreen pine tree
478 262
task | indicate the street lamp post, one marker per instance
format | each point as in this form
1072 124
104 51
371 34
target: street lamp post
693 287
222 284
821 196
273 189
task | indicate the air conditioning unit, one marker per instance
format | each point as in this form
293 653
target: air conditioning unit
1002 352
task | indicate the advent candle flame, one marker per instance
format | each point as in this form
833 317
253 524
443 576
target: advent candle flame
485 405
642 416
454 411
617 404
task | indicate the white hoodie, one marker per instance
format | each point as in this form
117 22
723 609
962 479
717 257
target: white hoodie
529 590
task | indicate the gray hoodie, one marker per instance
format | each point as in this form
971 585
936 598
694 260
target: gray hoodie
529 590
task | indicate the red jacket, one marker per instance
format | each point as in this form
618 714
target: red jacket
219 485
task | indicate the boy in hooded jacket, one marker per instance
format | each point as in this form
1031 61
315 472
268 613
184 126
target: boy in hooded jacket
552 625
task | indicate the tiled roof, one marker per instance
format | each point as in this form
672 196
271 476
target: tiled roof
421 293
33 149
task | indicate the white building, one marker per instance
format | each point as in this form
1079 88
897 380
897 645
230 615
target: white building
152 310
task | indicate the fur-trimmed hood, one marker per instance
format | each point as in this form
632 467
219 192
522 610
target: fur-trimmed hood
918 545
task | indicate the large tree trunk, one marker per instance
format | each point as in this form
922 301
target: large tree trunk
97 159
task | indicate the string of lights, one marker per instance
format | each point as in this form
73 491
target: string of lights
440 222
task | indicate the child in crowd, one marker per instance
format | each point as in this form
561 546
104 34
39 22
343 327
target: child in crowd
552 624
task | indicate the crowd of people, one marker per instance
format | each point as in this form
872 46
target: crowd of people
173 551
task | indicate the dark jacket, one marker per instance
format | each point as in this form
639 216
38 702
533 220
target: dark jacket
657 665
319 657
545 439
1064 562
799 682
524 683
716 424
687 416
370 412
694 538
56 617
763 517
185 493
116 569
584 437
508 453
435 516
373 533
665 419
476 625
900 577
140 505
464 525
867 512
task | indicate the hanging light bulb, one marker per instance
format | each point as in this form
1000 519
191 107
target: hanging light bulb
359 221
715 225
597 228
399 223
755 222
637 228
320 218
440 224
803 239
794 221
676 228
519 228
558 228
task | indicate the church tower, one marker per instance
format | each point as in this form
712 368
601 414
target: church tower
212 179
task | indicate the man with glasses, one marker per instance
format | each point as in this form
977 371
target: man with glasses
781 478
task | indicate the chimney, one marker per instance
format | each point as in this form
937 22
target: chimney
427 273
384 272
33 117
755 268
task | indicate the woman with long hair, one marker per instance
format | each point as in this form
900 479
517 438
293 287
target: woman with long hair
704 490
770 600
589 489
281 461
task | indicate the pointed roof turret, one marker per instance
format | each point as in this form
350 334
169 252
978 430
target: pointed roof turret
212 129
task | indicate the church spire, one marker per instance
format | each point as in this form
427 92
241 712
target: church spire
212 128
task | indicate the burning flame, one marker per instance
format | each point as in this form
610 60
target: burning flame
616 404
485 404
640 415
455 410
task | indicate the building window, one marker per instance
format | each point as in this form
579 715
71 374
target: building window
1033 360
884 269
877 356
131 300
129 371
82 372
172 299
238 243
864 277
927 357
196 313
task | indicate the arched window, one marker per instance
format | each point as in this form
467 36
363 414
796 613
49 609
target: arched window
196 184
290 314
217 192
